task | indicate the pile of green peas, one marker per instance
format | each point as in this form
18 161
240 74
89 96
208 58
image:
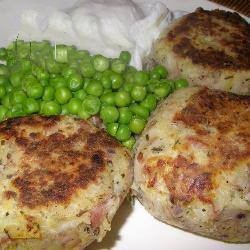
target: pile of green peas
37 77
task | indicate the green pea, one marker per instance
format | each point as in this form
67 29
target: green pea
48 94
141 78
10 63
97 76
16 79
107 72
155 75
8 114
2 91
54 75
105 91
92 82
112 128
80 94
18 97
94 88
44 82
57 82
84 114
91 104
35 91
118 66
129 77
74 106
123 132
4 70
172 85
128 87
109 114
106 81
129 143
125 115
62 95
3 112
138 93
17 110
162 90
28 80
39 72
3 53
16 67
9 88
65 109
86 82
139 110
50 108
169 82
75 82
125 57
131 69
137 125
53 66
6 101
41 62
42 46
122 99
116 80
87 69
72 56
149 102
181 83
26 65
83 54
161 70
108 98
4 80
23 52
67 71
75 65
31 106
100 63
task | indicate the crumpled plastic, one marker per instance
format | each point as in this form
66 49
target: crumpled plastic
102 26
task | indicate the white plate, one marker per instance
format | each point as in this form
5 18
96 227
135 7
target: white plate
132 228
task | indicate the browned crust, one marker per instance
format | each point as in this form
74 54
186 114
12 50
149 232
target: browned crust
188 180
221 121
52 168
230 115
205 23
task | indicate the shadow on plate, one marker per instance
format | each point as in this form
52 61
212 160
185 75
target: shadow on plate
118 221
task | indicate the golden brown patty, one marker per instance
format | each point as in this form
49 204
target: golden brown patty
209 48
192 163
57 179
